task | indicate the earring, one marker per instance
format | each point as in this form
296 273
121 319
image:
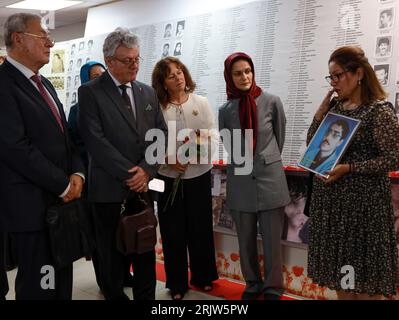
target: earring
359 82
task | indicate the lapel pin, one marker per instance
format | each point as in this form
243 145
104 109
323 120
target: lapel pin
195 113
148 107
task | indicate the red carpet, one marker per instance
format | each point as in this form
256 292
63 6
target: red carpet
222 288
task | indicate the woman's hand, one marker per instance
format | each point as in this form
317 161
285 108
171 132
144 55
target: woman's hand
324 106
335 174
180 168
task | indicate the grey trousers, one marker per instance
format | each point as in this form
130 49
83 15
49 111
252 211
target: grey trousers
270 227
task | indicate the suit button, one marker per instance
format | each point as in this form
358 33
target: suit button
253 178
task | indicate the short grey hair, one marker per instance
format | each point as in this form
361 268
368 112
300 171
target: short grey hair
117 38
17 23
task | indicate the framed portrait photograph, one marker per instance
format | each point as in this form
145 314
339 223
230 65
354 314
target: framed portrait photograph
329 143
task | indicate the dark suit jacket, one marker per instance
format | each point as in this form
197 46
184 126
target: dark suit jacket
115 142
34 152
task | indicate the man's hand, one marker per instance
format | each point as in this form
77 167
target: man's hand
139 180
75 189
335 174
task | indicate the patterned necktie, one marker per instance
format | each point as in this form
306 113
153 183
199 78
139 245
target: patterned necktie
126 99
49 101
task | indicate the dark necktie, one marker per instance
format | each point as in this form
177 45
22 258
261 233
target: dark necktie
126 99
49 101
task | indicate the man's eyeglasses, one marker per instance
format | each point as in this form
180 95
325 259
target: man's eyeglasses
46 38
335 77
130 61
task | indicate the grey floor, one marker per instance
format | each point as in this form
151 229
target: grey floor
85 287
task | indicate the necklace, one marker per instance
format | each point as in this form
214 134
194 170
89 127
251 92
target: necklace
179 102
350 106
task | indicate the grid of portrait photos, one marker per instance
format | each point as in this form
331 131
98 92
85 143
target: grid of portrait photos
384 41
79 53
172 44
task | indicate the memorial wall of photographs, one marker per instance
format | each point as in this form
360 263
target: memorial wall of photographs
290 42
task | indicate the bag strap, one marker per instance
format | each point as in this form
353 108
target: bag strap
140 197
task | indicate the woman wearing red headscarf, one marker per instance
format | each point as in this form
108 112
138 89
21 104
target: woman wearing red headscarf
259 195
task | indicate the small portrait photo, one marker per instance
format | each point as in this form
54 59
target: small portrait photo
68 82
70 65
383 47
73 49
180 28
74 98
90 45
81 46
57 82
78 64
57 64
329 143
397 107
296 223
382 73
76 82
178 49
87 60
165 50
168 31
386 18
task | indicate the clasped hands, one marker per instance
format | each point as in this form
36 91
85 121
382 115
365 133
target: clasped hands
139 180
75 188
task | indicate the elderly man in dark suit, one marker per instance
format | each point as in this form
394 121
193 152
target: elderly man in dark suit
115 113
38 164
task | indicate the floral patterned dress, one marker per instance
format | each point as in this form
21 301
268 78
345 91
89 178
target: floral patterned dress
352 220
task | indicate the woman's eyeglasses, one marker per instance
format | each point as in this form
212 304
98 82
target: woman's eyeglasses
335 77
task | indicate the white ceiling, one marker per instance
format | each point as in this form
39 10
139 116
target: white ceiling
63 17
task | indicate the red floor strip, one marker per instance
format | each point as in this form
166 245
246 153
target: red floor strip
222 288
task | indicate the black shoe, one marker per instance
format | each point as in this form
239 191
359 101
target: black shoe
271 296
176 295
250 295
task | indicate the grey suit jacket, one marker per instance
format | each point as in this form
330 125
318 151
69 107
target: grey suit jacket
266 187
114 141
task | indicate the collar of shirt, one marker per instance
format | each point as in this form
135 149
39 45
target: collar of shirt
117 83
24 70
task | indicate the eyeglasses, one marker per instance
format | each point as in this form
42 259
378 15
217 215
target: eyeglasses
130 61
239 73
46 38
335 77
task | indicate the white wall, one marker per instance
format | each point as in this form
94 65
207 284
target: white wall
131 13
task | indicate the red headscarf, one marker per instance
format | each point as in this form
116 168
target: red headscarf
247 106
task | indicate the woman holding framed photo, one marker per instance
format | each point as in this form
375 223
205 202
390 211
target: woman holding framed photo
352 244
